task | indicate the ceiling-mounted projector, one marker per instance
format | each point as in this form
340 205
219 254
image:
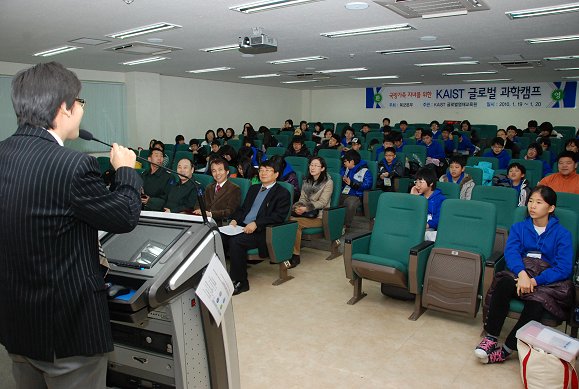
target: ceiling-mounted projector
258 43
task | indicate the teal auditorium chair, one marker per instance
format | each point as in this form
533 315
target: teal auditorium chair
329 154
465 238
475 173
357 126
506 201
104 164
311 145
298 163
334 165
473 161
328 126
569 201
332 221
203 179
340 126
178 156
284 138
235 143
534 170
378 136
275 150
569 220
243 184
394 252
365 155
450 190
415 152
280 239
179 147
568 132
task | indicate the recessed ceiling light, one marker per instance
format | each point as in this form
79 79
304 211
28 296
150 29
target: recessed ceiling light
144 60
571 77
445 14
262 75
356 5
144 30
565 69
301 59
332 86
553 39
374 78
470 73
342 70
298 81
209 70
551 10
490 80
403 83
428 38
220 48
58 50
368 30
415 50
561 58
266 5
447 63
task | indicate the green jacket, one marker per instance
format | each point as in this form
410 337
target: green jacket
156 186
181 196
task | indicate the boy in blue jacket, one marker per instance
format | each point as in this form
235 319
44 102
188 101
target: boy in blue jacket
498 151
356 178
425 185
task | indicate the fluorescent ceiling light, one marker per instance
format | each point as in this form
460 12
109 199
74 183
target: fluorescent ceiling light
553 39
292 60
565 69
445 14
58 50
332 86
490 80
267 5
209 70
403 83
447 63
298 82
470 73
342 70
561 58
368 30
374 78
571 77
415 50
144 60
217 49
143 30
551 10
262 75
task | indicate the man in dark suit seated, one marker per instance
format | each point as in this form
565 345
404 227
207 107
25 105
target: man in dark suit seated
222 197
182 195
156 183
266 204
55 319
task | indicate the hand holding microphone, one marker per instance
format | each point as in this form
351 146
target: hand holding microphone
122 157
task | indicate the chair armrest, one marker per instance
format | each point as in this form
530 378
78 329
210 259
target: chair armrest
418 257
355 244
333 222
280 239
494 264
370 202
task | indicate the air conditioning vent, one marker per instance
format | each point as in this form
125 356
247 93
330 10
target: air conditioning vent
433 8
142 48
517 65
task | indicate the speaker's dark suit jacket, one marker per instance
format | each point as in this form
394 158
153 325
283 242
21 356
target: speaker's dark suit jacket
52 203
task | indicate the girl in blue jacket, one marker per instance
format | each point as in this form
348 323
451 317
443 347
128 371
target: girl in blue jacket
539 258
425 185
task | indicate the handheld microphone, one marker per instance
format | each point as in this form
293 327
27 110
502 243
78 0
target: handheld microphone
87 135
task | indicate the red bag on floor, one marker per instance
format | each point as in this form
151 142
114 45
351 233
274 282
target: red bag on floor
540 369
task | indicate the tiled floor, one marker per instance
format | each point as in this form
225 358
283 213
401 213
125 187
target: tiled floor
302 334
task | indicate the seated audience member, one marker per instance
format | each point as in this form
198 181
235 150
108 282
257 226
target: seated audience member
214 153
566 179
512 133
182 195
398 141
156 183
245 169
465 146
434 151
297 148
298 132
534 152
447 138
228 153
249 134
222 196
318 133
509 144
265 204
539 259
389 169
327 135
531 127
179 140
425 185
268 139
356 178
515 179
198 154
386 130
348 135
386 143
230 134
316 195
355 144
334 143
434 128
385 124
572 145
221 135
157 144
473 136
287 174
288 125
546 131
418 135
249 150
303 127
403 127
545 143
457 175
209 138
498 151
364 131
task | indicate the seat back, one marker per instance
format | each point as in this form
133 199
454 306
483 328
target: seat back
284 138
415 150
475 173
337 190
473 161
311 145
274 150
465 238
334 165
569 201
450 190
235 143
365 155
373 167
374 135
290 189
104 164
180 155
329 153
298 163
203 179
534 170
340 126
243 184
179 147
395 229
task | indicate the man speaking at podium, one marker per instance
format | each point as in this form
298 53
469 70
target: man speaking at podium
55 320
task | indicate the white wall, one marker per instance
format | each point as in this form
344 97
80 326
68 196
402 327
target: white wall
348 105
